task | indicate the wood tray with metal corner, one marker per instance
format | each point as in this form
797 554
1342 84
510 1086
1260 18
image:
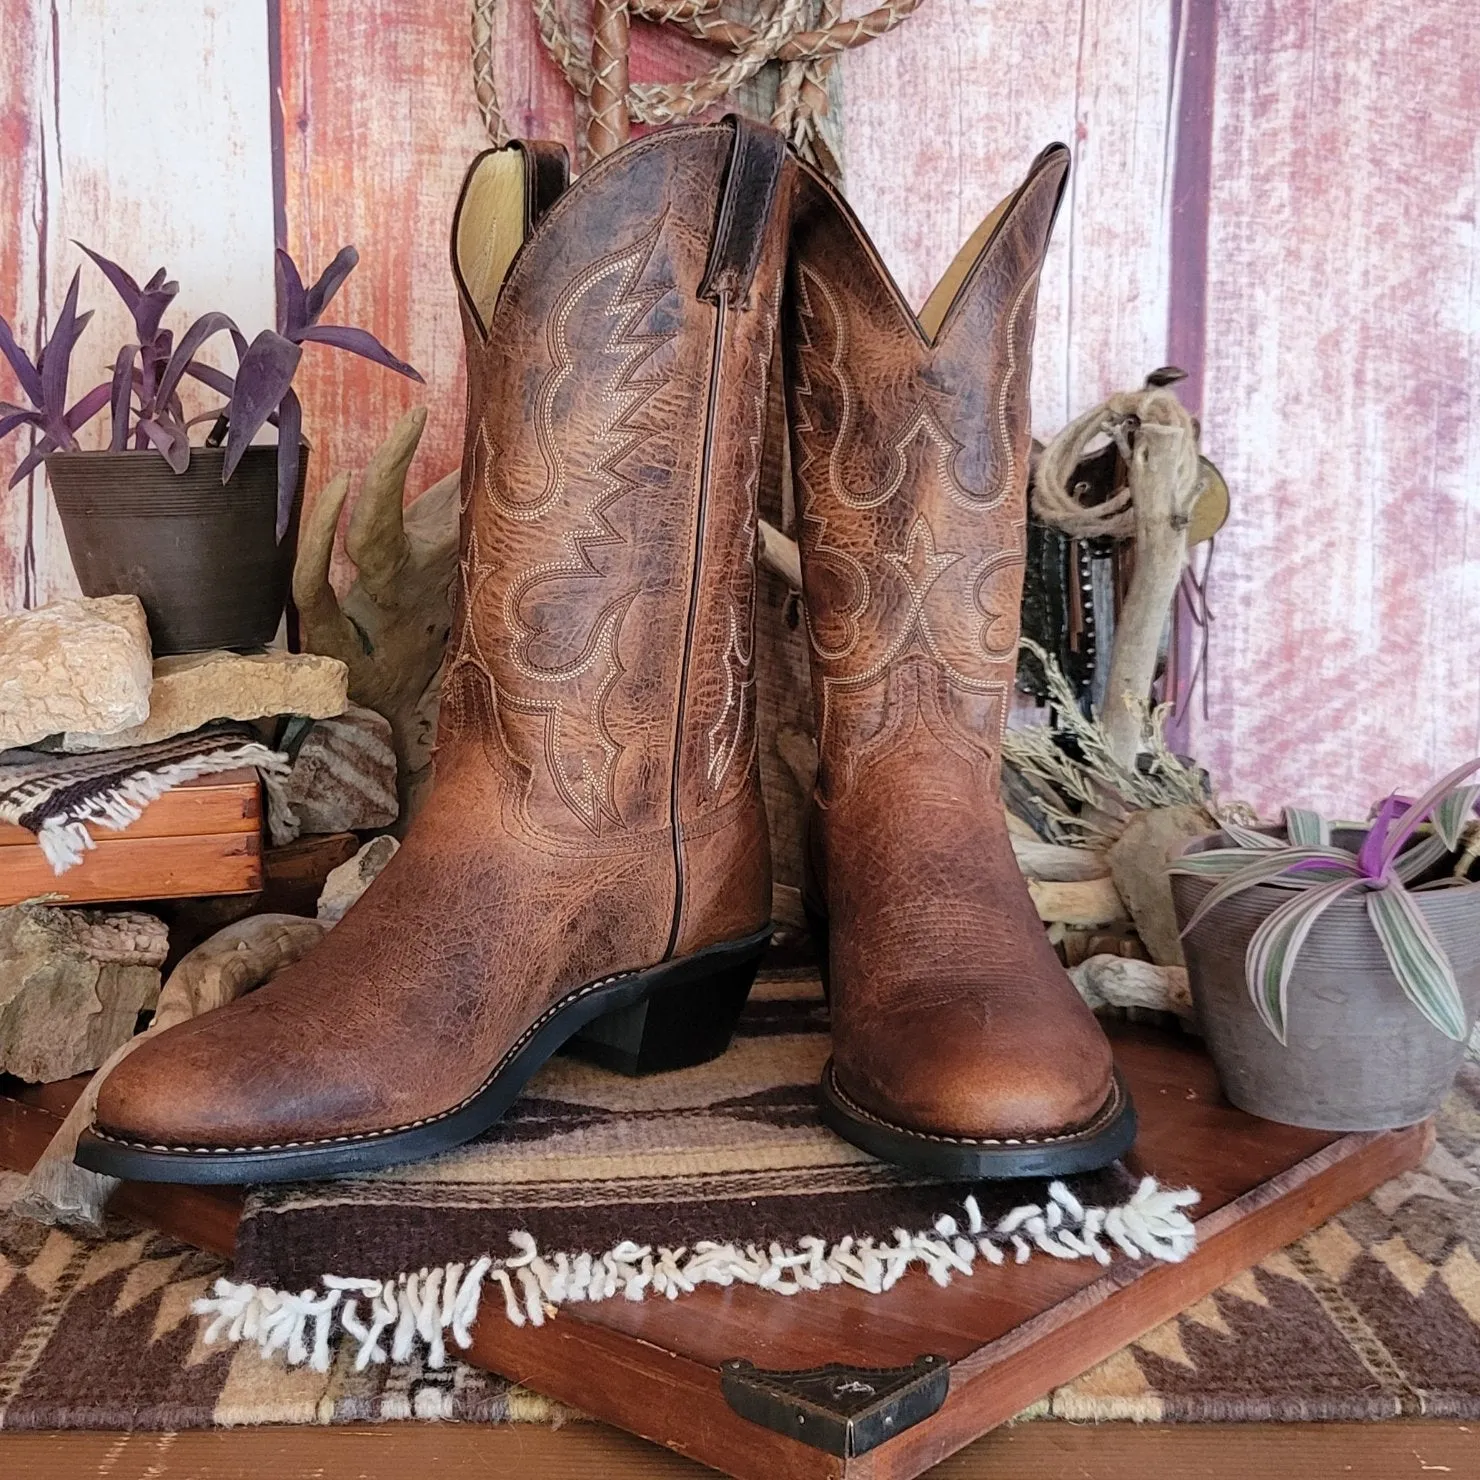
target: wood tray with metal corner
845 1384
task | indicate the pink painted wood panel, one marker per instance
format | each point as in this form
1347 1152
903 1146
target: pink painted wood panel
942 118
1342 399
21 209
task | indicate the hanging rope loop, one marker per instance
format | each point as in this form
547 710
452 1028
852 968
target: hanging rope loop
784 33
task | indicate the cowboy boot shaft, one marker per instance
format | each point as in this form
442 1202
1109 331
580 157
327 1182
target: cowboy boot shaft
911 458
609 513
957 1037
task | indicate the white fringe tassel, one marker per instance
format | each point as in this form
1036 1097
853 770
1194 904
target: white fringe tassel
65 840
390 1319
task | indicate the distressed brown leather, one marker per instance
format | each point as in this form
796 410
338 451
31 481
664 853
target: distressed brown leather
951 1013
596 806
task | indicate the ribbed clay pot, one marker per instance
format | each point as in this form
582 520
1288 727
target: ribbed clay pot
1360 1056
201 555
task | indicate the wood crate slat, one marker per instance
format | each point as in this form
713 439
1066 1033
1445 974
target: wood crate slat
230 802
124 868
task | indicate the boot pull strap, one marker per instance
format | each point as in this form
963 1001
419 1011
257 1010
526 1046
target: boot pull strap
745 204
546 177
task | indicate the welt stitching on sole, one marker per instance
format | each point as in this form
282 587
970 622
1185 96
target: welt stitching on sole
410 1125
1106 1113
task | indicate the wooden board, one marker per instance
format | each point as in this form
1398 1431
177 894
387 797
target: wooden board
1009 1334
1414 1449
203 837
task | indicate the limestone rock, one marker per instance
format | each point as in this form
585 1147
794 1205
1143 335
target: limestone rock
194 688
349 881
1121 981
73 665
72 984
1138 864
343 778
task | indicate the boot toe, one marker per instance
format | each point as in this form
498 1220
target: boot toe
950 1074
225 1080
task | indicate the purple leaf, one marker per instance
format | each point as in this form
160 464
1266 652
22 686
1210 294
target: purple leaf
152 308
17 416
33 459
330 280
290 425
56 358
20 362
218 380
123 380
170 441
122 280
195 336
1418 812
262 381
359 342
292 301
1372 856
88 406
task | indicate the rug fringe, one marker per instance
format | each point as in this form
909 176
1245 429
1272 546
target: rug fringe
432 1306
64 840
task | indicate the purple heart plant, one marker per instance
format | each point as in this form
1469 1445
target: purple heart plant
144 393
1405 841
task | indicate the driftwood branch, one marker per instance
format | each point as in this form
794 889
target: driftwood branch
390 628
1158 439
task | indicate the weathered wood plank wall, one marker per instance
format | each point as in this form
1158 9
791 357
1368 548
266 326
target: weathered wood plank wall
146 136
1327 155
1343 396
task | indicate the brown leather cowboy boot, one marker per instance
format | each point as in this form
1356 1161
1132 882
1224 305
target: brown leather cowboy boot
960 1046
593 854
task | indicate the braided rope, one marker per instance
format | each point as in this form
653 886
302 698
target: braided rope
485 86
807 57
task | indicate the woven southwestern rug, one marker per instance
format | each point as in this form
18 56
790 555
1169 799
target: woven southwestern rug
1374 1315
60 797
597 1187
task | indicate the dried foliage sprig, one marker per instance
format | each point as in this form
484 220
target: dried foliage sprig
1074 759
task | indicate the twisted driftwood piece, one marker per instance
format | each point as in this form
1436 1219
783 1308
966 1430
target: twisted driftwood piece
614 102
1158 440
231 962
391 626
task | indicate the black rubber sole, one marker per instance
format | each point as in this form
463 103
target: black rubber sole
1103 1140
669 1016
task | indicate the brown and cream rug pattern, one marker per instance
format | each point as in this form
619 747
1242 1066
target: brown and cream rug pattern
597 1187
1374 1315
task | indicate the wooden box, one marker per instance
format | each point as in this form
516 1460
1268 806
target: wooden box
203 837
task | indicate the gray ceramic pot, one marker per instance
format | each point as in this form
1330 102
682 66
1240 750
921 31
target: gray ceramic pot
1360 1056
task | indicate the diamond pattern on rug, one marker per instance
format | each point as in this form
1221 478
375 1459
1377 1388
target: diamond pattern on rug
1375 1314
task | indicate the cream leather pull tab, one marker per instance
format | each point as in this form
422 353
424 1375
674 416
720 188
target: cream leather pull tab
504 196
745 204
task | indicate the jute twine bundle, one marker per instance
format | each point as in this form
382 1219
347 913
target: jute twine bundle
780 34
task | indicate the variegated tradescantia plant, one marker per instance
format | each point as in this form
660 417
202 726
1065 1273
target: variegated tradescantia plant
1387 870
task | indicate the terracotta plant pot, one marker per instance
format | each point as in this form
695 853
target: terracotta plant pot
1360 1055
201 555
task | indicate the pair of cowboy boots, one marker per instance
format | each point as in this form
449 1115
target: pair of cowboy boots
592 866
